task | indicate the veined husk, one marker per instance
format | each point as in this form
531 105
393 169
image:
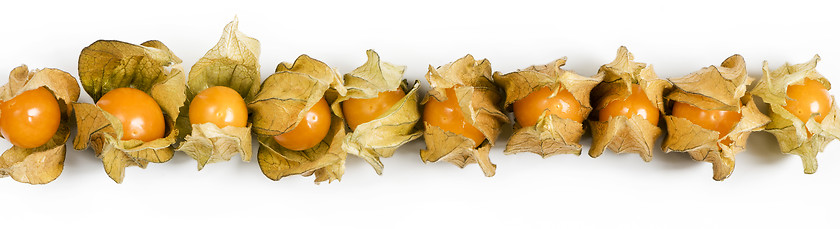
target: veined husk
281 104
791 132
396 126
480 102
621 134
714 88
150 67
551 135
233 63
43 164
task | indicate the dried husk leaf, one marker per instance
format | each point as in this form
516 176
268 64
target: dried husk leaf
480 102
278 108
325 160
551 135
233 63
790 131
621 134
398 125
283 96
703 90
210 144
43 164
150 67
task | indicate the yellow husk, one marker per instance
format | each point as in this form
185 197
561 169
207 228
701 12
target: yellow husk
150 67
396 126
233 63
480 102
281 104
43 164
789 130
551 135
714 88
621 134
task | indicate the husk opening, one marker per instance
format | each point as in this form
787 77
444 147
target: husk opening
551 135
150 67
480 102
790 131
714 88
233 63
281 104
43 164
382 136
621 134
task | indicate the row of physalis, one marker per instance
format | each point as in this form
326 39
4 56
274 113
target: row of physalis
301 114
708 114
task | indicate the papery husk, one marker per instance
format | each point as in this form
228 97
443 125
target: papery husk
398 125
551 135
43 164
208 143
621 134
480 102
789 130
281 104
150 67
233 63
714 88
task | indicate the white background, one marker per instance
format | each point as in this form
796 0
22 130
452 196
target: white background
614 191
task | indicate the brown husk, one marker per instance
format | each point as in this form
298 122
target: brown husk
714 88
281 104
789 130
621 134
398 125
43 164
233 63
150 67
551 135
480 101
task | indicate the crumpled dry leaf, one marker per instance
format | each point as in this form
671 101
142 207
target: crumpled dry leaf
551 135
281 104
150 67
621 134
45 163
480 101
382 136
210 144
325 160
233 63
789 130
714 88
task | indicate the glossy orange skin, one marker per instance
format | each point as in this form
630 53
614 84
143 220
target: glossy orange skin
358 111
138 112
309 131
447 115
527 110
635 104
219 105
30 119
717 120
807 99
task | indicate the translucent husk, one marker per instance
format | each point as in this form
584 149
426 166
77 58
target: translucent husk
790 131
43 164
233 63
714 88
396 126
281 104
150 67
480 102
551 135
621 134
